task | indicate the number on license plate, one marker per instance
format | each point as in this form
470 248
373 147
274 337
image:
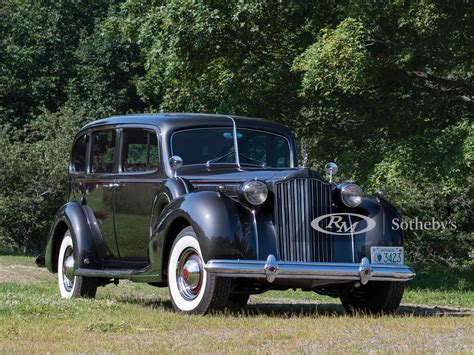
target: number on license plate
386 255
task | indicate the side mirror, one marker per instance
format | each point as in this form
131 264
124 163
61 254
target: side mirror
331 170
176 162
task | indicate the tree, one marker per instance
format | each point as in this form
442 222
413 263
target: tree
232 57
389 94
108 66
37 44
384 88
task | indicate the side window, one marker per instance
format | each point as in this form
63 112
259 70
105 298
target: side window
103 151
78 156
140 150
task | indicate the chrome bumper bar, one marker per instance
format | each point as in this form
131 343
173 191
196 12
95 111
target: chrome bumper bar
273 269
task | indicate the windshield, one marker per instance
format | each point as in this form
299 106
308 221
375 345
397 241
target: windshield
216 145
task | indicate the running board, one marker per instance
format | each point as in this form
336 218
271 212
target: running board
110 273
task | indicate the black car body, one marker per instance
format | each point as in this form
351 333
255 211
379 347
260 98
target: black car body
137 182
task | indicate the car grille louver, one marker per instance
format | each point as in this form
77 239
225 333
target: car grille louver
297 203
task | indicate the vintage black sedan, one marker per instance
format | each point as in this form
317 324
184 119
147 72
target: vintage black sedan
216 208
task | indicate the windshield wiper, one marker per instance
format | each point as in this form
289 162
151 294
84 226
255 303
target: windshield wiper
215 160
261 163
236 150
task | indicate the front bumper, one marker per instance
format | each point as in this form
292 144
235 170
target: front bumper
273 269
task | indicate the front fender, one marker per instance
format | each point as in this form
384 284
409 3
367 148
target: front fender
72 216
382 213
222 226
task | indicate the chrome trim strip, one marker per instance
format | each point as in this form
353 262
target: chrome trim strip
272 269
255 231
184 183
254 227
352 239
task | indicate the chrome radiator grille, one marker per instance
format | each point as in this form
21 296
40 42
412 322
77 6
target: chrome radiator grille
297 203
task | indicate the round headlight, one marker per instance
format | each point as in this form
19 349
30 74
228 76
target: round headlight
254 192
351 194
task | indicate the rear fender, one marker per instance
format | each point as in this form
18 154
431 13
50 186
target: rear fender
72 216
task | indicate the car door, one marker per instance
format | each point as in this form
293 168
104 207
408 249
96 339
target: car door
138 185
100 186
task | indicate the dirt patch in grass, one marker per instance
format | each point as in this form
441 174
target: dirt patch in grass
27 274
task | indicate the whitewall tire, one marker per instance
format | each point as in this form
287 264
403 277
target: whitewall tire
71 286
192 289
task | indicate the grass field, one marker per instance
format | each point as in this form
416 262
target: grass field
138 318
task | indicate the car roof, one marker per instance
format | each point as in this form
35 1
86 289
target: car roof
167 122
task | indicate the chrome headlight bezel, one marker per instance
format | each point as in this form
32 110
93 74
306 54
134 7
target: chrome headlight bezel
351 194
253 192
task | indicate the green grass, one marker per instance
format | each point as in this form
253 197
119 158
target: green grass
138 318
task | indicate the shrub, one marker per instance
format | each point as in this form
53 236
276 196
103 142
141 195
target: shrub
33 177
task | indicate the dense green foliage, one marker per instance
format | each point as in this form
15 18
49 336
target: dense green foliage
33 177
383 88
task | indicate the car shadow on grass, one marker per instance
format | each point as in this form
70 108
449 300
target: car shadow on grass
287 310
333 309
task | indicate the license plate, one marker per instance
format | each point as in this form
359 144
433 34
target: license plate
387 255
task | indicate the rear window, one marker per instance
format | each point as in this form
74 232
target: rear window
103 151
140 150
78 156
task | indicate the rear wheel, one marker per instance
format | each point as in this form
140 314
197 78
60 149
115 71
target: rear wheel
373 298
192 289
71 286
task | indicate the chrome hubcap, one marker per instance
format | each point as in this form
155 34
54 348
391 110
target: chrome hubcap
189 274
68 269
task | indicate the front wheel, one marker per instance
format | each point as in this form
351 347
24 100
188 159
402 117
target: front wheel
238 301
377 297
192 289
72 286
